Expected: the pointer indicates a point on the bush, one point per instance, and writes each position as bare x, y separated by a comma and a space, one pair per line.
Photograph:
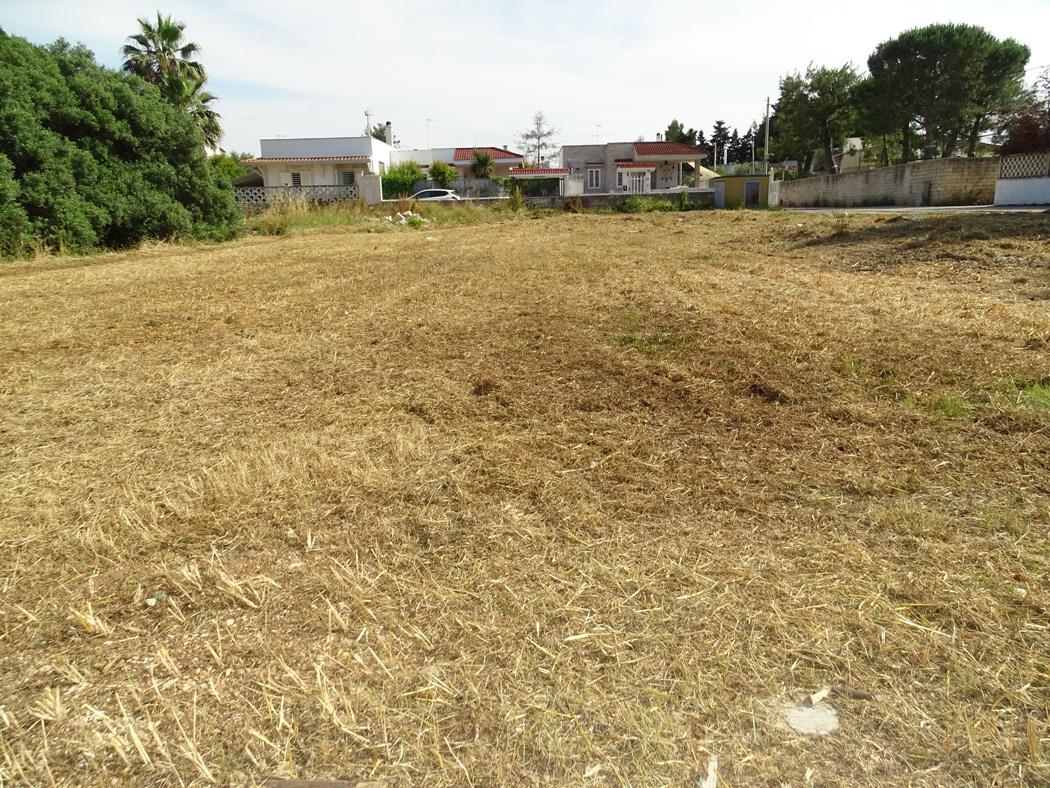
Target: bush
92, 158
515, 201
645, 205
400, 178
572, 205
442, 174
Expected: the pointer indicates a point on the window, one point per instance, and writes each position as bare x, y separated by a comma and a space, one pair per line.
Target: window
297, 179
594, 179
348, 178
619, 179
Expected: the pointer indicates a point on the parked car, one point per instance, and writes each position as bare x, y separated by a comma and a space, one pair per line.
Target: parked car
435, 194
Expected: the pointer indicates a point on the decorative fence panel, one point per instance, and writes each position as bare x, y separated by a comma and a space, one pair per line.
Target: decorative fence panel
261, 196
1025, 165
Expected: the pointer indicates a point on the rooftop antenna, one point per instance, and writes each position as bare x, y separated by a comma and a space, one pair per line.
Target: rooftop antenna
368, 122
597, 132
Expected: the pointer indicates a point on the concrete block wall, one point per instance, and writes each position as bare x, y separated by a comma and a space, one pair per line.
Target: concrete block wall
956, 181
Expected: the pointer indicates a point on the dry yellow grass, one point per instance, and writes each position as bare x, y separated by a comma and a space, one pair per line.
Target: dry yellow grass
559, 502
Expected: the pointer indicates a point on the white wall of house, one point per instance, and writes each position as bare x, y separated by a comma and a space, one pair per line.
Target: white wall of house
378, 153
310, 173
318, 146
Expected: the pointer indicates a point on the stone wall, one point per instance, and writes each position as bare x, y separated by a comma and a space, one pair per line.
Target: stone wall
958, 181
701, 198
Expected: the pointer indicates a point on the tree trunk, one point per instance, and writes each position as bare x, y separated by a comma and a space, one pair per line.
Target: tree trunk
829, 157
928, 146
975, 134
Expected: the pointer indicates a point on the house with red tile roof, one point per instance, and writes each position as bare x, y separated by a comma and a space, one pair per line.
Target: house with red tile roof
631, 167
337, 168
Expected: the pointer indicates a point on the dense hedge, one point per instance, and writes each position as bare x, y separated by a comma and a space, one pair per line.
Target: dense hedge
92, 158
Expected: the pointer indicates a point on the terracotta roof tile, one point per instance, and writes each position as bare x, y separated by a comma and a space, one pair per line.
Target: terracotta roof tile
305, 158
540, 171
635, 165
467, 154
665, 149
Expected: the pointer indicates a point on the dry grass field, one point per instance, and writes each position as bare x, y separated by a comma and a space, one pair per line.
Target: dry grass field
569, 501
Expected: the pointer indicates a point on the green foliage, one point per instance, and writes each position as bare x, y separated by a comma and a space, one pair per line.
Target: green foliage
400, 178
676, 132
14, 224
158, 54
815, 112
229, 163
94, 158
483, 165
951, 408
645, 205
378, 132
515, 201
950, 79
442, 174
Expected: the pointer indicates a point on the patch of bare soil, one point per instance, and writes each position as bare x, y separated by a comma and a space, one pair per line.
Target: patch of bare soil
583, 500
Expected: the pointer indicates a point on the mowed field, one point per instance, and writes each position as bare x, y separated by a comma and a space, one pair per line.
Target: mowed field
568, 501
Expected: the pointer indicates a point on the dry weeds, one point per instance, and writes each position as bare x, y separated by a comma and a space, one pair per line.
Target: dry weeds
562, 502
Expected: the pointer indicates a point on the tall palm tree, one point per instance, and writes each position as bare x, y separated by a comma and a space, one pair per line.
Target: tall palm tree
158, 52
191, 97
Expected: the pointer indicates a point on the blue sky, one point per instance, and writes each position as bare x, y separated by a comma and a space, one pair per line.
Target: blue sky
599, 69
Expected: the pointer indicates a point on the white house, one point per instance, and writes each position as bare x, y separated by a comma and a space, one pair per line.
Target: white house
341, 168
630, 167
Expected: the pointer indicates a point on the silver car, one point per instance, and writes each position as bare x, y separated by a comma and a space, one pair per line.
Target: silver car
435, 194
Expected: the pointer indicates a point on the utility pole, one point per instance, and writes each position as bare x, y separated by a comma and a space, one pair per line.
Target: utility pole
765, 151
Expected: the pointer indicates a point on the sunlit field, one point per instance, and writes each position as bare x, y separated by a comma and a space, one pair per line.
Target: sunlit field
560, 501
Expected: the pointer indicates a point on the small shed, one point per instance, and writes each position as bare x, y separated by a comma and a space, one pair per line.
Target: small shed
747, 191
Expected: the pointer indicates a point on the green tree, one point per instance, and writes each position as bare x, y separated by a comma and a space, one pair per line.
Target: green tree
950, 79
159, 55
538, 141
676, 132
816, 111
442, 174
379, 132
229, 163
190, 97
888, 129
719, 140
99, 158
483, 165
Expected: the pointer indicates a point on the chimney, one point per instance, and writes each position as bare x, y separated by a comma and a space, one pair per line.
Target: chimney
389, 134
659, 136
505, 147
